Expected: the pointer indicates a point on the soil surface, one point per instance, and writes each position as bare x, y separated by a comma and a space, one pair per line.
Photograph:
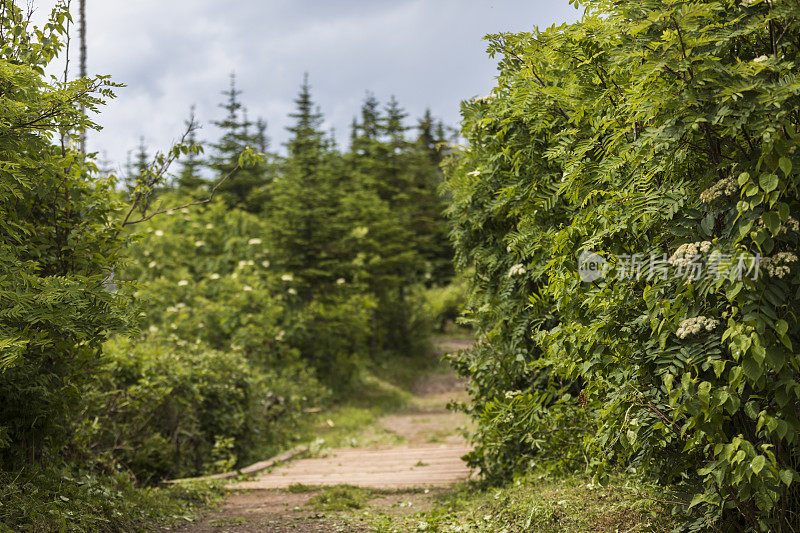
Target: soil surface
407, 477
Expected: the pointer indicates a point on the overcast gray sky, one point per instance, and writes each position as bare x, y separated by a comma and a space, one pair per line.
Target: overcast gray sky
173, 53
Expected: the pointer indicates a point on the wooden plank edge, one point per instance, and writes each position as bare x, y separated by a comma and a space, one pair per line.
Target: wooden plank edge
252, 469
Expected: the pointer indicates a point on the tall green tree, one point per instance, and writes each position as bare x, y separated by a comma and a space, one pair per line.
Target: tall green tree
190, 177
58, 243
306, 216
248, 189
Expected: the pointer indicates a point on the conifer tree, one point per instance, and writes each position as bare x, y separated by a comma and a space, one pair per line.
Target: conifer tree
306, 215
189, 178
247, 188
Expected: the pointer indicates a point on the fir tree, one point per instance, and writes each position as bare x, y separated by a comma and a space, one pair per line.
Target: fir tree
190, 178
247, 188
306, 215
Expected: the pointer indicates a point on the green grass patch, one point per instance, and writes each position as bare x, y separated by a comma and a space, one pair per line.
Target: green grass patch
543, 503
37, 500
339, 498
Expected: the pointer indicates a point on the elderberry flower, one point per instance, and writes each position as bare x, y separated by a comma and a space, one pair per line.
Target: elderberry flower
693, 326
777, 265
516, 270
685, 252
724, 187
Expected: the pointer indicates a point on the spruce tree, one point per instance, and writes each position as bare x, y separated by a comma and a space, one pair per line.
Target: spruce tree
306, 215
247, 188
189, 178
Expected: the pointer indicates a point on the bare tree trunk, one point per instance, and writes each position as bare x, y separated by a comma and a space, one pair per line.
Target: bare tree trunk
82, 16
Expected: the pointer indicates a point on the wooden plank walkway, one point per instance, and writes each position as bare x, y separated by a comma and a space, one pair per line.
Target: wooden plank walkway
419, 465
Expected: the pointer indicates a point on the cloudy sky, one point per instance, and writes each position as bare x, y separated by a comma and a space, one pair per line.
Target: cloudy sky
173, 53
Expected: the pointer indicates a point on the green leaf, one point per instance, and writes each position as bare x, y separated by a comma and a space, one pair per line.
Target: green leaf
772, 221
743, 178
781, 327
786, 165
707, 224
768, 182
757, 465
751, 369
787, 476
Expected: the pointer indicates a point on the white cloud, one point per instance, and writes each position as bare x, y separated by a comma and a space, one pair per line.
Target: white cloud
171, 54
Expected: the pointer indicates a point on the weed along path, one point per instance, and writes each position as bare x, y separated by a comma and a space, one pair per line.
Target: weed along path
392, 467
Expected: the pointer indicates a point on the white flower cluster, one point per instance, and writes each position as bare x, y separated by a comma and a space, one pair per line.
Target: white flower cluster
777, 265
512, 393
253, 242
516, 270
791, 224
287, 277
488, 99
724, 187
340, 281
243, 264
693, 326
685, 252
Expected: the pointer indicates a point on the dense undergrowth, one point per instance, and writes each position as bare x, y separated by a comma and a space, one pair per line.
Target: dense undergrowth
655, 141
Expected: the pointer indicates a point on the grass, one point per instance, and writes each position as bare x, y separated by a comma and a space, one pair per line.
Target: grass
537, 502
541, 503
339, 498
384, 388
82, 501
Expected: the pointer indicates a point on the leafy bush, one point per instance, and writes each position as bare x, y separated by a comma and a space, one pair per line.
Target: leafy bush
57, 246
83, 501
163, 409
445, 304
646, 128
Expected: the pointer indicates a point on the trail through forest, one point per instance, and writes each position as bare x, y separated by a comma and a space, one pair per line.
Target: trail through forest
394, 481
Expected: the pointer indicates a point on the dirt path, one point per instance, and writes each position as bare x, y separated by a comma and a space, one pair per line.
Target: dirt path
394, 479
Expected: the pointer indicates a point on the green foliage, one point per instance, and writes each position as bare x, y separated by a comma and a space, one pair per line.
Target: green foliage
643, 127
339, 498
444, 305
58, 244
69, 499
249, 190
167, 412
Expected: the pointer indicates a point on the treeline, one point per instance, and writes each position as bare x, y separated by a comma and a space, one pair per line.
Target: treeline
660, 136
140, 340
306, 266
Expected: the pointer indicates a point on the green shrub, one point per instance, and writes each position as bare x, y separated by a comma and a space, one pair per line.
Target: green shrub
445, 304
83, 501
166, 409
58, 243
649, 127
